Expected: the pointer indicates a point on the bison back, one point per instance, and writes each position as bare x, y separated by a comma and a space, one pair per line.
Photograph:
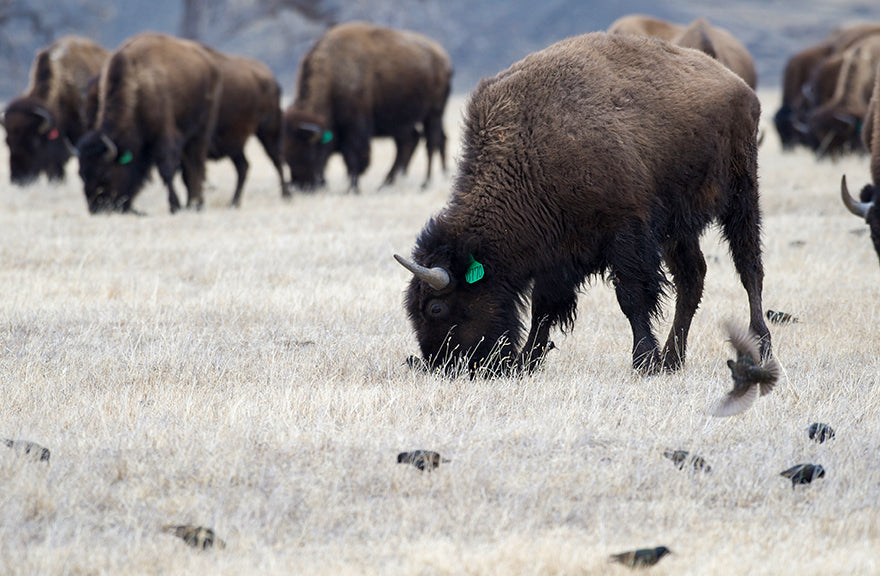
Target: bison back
603, 124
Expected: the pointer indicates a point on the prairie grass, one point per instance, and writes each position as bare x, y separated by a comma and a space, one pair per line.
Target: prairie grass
244, 370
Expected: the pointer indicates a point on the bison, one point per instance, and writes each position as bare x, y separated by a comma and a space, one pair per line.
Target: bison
699, 35
360, 81
869, 197
250, 105
158, 100
836, 125
601, 154
44, 123
805, 81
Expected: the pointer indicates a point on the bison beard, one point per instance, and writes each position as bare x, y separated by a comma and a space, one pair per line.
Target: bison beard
601, 155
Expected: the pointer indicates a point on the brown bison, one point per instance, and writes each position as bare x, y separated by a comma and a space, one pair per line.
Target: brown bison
867, 207
250, 105
721, 45
360, 81
642, 25
158, 100
602, 154
836, 125
806, 81
699, 35
44, 123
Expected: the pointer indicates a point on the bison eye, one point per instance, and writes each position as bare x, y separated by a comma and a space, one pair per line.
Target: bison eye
437, 309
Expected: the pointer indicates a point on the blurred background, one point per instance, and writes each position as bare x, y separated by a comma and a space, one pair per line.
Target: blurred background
482, 36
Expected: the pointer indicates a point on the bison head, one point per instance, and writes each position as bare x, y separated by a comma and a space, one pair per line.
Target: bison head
35, 144
866, 208
464, 314
110, 172
307, 144
834, 131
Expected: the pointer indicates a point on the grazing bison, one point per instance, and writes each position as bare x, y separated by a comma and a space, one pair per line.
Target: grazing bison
721, 45
806, 80
602, 154
360, 81
641, 25
158, 99
836, 125
869, 205
250, 105
699, 35
44, 123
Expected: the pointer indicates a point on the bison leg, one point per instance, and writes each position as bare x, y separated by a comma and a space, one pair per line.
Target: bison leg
193, 167
405, 142
688, 267
634, 260
741, 224
270, 137
241, 169
167, 168
355, 148
435, 141
554, 300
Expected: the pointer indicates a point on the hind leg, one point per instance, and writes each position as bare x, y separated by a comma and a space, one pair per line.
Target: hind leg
688, 267
741, 224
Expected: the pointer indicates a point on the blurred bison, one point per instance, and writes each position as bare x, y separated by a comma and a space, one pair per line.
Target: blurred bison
158, 99
836, 125
360, 81
602, 154
250, 105
869, 205
699, 35
808, 81
44, 123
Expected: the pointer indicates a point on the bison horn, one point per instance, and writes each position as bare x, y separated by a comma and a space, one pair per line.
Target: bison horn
437, 278
857, 208
112, 152
46, 124
314, 129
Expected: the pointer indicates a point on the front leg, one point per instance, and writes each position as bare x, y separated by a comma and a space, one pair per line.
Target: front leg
554, 301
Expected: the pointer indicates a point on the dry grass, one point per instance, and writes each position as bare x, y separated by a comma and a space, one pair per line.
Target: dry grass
243, 370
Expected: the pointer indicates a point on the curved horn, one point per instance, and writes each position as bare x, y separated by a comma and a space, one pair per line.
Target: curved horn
112, 152
46, 125
437, 278
857, 208
313, 128
847, 118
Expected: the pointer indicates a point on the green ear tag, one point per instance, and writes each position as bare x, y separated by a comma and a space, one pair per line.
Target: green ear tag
126, 157
474, 272
326, 137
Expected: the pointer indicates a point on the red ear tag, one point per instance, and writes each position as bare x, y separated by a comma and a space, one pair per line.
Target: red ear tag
53, 134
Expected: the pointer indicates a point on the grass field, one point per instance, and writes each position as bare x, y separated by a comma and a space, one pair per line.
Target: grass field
244, 370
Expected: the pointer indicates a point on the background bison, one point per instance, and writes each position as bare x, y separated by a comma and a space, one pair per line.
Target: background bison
360, 81
158, 99
250, 105
602, 154
44, 123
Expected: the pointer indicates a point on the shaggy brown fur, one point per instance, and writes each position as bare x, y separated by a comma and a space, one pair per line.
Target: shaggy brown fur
805, 82
602, 154
158, 99
42, 124
360, 81
250, 105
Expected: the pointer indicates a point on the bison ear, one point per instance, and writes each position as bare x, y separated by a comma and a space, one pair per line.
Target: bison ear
326, 137
475, 270
126, 157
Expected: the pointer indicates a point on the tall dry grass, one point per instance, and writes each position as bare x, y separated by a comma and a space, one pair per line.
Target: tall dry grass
244, 370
